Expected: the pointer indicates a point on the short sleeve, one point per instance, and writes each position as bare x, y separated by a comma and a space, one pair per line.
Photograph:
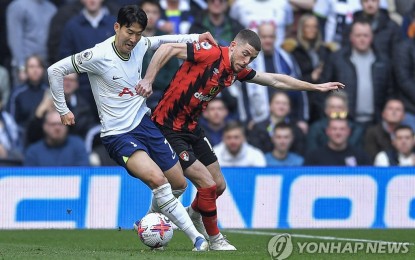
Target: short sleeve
202, 52
246, 74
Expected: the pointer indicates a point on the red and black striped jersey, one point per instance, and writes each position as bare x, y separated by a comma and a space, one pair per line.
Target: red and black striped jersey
201, 77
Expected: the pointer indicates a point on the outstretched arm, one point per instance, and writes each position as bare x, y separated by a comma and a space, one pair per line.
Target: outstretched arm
156, 41
160, 58
286, 82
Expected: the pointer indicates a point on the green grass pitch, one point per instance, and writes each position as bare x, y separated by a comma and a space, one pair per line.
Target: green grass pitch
125, 244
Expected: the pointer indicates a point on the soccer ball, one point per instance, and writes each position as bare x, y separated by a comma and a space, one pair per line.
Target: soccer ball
155, 230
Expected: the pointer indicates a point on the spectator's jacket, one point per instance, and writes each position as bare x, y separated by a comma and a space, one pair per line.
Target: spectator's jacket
404, 67
386, 33
340, 68
377, 140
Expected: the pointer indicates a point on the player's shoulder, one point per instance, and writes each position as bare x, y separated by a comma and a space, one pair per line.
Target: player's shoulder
207, 47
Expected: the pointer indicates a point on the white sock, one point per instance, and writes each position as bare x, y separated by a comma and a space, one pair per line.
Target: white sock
175, 211
155, 208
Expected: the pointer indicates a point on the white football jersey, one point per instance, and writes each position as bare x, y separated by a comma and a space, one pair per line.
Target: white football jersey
113, 79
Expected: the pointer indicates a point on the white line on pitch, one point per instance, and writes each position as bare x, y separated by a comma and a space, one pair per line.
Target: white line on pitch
262, 233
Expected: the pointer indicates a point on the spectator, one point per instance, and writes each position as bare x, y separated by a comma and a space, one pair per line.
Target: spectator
402, 153
176, 17
234, 151
404, 67
335, 106
281, 156
5, 57
259, 135
153, 10
386, 33
334, 15
273, 60
337, 151
252, 13
365, 72
92, 25
25, 99
4, 85
10, 140
62, 16
213, 121
216, 21
300, 7
311, 54
379, 137
27, 32
57, 148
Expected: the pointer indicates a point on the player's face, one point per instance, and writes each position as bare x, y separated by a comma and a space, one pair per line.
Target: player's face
394, 112
282, 139
241, 55
404, 141
233, 140
127, 37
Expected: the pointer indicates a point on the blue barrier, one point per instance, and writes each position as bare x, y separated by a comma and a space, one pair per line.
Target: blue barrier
303, 197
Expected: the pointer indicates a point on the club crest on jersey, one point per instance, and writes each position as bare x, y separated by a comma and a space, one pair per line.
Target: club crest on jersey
214, 90
206, 45
185, 156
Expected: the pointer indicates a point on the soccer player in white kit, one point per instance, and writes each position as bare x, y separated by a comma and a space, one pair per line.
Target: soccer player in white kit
130, 137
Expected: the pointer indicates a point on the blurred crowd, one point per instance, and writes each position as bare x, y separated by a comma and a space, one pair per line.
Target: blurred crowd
369, 45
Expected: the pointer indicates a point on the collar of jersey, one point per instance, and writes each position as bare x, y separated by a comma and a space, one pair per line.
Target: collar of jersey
119, 54
226, 59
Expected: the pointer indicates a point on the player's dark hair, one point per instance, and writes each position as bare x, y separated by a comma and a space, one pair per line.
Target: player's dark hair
403, 127
250, 37
151, 2
130, 14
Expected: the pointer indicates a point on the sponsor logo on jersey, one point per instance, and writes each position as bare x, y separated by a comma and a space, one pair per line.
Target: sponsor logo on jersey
216, 71
214, 90
185, 156
197, 45
202, 97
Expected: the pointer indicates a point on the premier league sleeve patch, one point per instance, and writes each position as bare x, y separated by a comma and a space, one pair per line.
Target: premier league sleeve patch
86, 55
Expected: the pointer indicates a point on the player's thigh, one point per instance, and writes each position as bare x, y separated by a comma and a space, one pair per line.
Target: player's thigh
141, 166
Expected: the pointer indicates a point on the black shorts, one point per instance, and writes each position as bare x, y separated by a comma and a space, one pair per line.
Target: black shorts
190, 146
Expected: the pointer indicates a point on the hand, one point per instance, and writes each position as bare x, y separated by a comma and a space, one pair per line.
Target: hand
68, 119
329, 86
144, 88
207, 37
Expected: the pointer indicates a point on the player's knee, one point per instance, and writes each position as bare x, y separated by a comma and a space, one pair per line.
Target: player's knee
157, 180
220, 188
